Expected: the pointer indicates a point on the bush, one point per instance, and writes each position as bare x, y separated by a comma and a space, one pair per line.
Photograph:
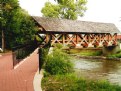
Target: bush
58, 63
117, 55
58, 46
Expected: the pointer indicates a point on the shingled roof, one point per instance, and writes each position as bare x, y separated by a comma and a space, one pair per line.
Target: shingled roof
64, 25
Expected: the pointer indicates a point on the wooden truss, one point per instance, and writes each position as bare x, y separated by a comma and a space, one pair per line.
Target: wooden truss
81, 40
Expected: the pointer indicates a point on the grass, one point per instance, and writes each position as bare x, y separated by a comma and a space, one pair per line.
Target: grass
70, 82
117, 55
86, 52
59, 77
91, 53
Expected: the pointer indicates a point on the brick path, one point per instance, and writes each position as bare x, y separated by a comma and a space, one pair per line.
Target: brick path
21, 78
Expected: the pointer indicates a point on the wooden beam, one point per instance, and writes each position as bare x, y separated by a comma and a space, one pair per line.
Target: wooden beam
76, 39
47, 38
82, 39
70, 39
55, 38
63, 38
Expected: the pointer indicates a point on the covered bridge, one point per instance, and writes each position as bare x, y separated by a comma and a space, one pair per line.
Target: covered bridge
76, 33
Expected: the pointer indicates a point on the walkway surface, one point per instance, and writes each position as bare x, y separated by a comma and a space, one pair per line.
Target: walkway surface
21, 78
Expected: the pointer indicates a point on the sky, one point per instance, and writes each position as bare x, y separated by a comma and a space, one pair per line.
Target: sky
107, 11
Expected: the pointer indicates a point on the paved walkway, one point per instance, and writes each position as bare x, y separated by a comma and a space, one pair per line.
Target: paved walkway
21, 78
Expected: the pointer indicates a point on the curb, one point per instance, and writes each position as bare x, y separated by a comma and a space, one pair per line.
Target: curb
37, 80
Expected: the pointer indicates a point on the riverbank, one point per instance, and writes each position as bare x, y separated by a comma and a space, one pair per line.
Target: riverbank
70, 82
95, 57
54, 80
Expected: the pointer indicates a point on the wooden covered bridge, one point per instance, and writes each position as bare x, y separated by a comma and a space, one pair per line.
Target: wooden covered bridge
76, 33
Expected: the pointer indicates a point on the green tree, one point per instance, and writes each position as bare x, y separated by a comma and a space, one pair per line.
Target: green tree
16, 25
51, 10
65, 9
21, 30
7, 8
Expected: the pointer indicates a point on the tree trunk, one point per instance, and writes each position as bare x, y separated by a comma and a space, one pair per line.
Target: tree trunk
3, 41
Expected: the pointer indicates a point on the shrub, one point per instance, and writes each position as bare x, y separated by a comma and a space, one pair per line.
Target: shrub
118, 55
58, 63
58, 46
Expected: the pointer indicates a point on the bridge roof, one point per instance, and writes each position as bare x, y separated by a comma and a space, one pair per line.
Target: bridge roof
64, 25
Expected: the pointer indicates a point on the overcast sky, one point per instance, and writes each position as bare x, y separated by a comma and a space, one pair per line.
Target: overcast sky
97, 10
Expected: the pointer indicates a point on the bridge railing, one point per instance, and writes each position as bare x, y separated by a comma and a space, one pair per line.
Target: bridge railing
22, 51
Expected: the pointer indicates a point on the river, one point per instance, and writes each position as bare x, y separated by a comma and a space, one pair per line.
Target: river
99, 69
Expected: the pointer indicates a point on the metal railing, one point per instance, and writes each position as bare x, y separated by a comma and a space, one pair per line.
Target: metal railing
22, 51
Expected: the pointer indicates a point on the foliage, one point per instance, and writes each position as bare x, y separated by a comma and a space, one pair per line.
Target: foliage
117, 55
85, 52
58, 46
7, 9
91, 53
51, 10
56, 79
16, 23
58, 63
70, 82
23, 32
65, 9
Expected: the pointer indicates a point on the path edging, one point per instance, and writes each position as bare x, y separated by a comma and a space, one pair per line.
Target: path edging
37, 80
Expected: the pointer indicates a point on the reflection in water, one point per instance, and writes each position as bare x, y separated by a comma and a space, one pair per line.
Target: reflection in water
99, 69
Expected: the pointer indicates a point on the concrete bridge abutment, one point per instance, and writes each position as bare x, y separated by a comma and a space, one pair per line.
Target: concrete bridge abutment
109, 50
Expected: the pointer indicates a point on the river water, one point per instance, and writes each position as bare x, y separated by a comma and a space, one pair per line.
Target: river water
99, 69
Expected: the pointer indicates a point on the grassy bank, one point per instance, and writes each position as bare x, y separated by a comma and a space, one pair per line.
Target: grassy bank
70, 82
91, 53
59, 76
117, 55
86, 52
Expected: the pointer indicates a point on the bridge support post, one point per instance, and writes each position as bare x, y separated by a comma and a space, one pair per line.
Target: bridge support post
108, 50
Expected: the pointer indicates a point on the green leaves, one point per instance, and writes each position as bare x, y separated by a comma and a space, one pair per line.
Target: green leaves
57, 63
7, 8
65, 9
51, 10
16, 23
